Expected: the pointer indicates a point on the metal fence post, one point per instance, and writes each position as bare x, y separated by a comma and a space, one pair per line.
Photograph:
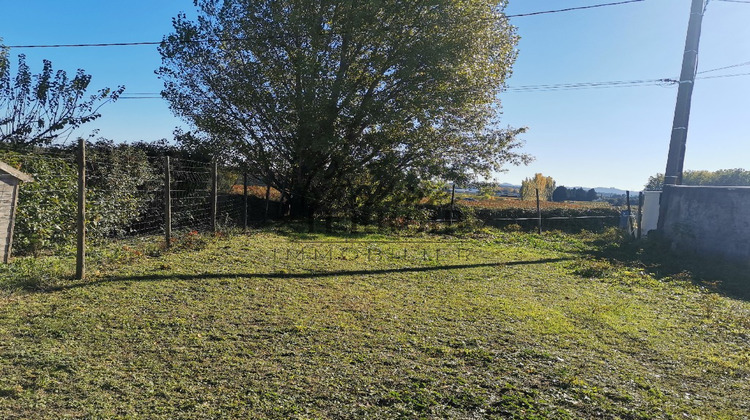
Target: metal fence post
167, 203
453, 196
244, 204
631, 231
81, 217
214, 194
538, 213
640, 214
268, 200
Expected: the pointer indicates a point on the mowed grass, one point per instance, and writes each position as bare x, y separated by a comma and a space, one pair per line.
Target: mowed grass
269, 325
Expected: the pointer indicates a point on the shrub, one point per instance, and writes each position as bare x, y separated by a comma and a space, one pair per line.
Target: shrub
120, 183
45, 217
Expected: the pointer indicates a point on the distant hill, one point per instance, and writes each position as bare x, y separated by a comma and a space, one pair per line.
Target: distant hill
605, 191
507, 185
609, 191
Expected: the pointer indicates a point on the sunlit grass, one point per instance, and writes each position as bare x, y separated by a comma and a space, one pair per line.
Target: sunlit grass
315, 326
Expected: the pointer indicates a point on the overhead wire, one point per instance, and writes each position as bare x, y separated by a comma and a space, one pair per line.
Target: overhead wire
554, 86
145, 43
664, 82
569, 9
526, 88
746, 63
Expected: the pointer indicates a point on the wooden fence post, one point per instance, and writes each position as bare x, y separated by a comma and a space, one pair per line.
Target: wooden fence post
244, 204
214, 194
167, 203
81, 217
538, 213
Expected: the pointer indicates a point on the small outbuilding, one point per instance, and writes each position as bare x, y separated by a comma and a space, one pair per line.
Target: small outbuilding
10, 177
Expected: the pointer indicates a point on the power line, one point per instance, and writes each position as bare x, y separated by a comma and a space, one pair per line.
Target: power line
144, 43
575, 8
746, 63
664, 82
592, 85
109, 44
522, 88
550, 87
721, 76
541, 88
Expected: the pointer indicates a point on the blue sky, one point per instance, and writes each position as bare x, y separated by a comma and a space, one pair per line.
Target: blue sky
592, 137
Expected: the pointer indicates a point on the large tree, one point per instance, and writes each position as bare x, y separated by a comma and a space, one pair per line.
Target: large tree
544, 184
339, 103
560, 194
36, 109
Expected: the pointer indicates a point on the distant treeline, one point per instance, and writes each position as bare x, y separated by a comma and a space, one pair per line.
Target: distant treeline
561, 194
722, 177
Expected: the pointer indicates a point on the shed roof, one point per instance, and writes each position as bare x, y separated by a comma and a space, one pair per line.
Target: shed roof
4, 167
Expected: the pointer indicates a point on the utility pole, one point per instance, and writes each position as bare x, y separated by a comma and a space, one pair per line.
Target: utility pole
676, 157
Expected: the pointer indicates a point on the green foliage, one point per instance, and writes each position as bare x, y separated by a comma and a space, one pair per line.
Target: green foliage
591, 195
3, 57
345, 106
33, 273
117, 179
722, 177
45, 217
574, 194
487, 190
35, 109
560, 194
117, 176
617, 200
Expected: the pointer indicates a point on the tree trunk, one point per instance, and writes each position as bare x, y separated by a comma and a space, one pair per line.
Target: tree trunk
311, 223
329, 224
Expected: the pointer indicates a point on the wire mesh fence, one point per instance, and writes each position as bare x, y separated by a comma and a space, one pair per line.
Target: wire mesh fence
123, 190
190, 194
127, 194
130, 193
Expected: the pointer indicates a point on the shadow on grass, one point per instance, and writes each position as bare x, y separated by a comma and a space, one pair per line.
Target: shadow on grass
729, 278
312, 274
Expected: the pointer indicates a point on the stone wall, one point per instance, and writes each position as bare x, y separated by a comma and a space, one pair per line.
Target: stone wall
712, 221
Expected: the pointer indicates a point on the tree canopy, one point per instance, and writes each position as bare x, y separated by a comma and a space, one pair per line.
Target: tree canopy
545, 185
562, 193
342, 104
36, 109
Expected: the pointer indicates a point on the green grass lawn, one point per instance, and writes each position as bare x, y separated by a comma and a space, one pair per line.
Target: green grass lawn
274, 325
